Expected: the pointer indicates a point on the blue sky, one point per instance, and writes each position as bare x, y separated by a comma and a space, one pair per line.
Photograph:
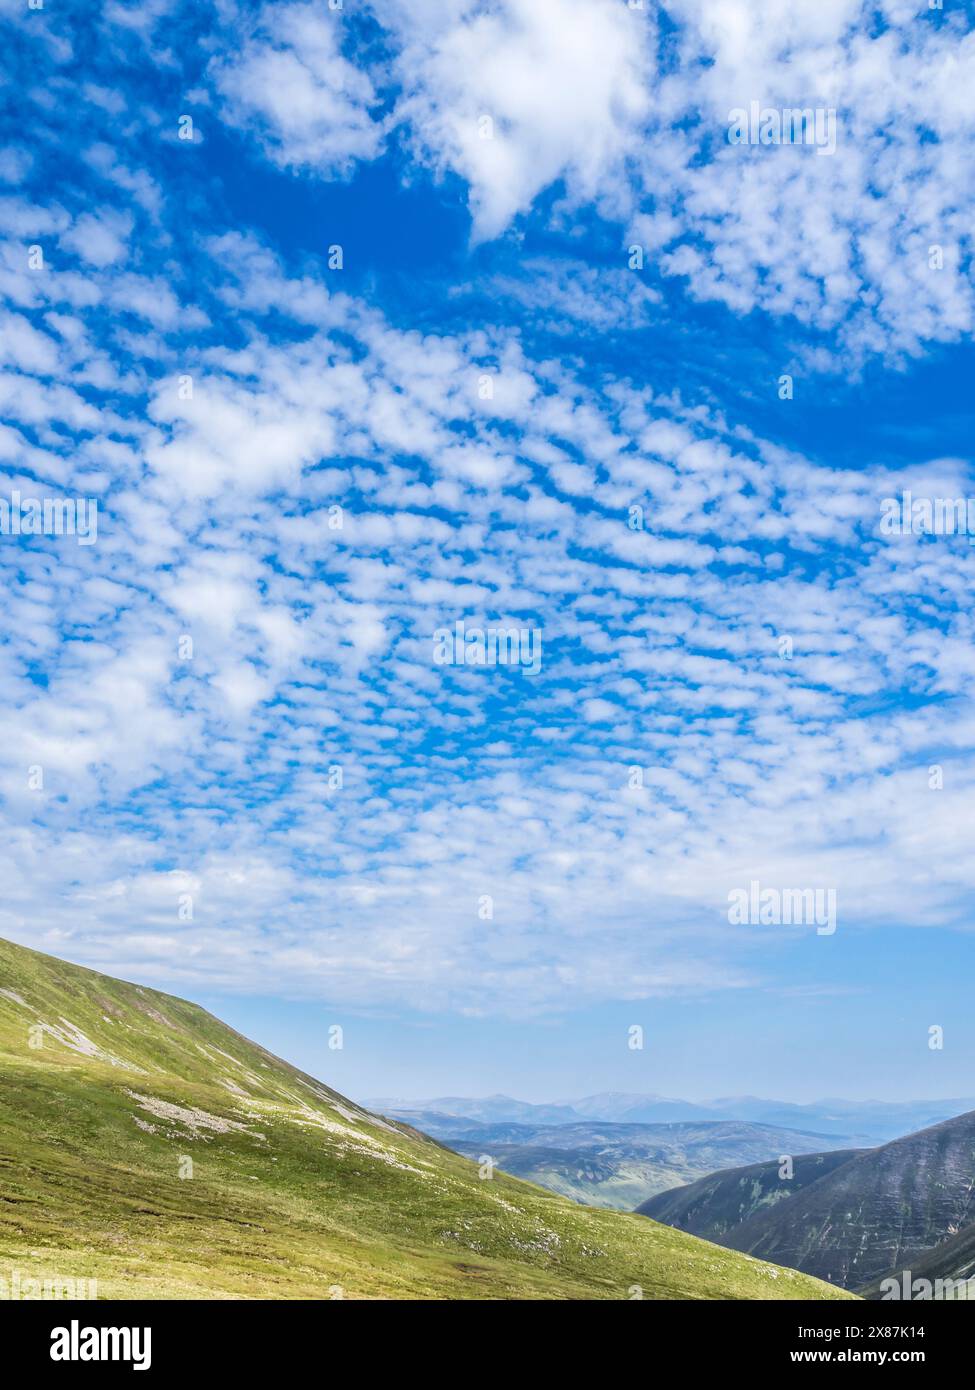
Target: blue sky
296, 816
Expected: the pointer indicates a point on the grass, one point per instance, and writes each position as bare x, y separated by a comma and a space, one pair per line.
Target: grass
295, 1192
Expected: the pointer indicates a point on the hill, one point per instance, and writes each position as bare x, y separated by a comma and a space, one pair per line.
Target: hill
145, 1144
716, 1204
881, 1210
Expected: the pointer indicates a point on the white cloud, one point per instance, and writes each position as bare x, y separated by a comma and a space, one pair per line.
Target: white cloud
310, 105
583, 94
842, 243
98, 239
312, 643
586, 97
312, 650
518, 96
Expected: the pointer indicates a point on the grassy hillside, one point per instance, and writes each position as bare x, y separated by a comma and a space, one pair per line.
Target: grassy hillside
108, 1091
716, 1204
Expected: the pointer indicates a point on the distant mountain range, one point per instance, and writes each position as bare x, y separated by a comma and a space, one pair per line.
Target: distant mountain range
851, 1123
604, 1163
490, 1110
612, 1165
853, 1219
618, 1149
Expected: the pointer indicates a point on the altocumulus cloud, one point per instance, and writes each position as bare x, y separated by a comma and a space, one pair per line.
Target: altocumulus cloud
624, 106
253, 774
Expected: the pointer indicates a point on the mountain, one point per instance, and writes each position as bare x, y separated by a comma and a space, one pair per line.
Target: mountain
145, 1144
863, 1122
627, 1108
850, 1123
609, 1107
609, 1165
880, 1211
716, 1204
489, 1110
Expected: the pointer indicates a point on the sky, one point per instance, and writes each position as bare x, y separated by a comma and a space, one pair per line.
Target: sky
353, 323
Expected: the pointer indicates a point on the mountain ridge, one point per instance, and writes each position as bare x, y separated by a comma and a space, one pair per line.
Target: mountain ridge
883, 1209
854, 1123
716, 1204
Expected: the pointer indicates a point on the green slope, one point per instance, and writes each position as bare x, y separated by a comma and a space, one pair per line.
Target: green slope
295, 1192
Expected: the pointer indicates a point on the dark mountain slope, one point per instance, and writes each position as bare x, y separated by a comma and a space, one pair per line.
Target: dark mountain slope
949, 1269
714, 1205
875, 1213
